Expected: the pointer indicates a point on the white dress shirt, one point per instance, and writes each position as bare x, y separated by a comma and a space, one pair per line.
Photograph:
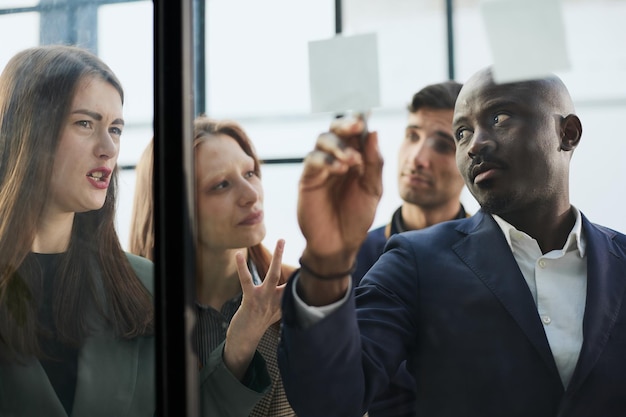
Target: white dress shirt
558, 283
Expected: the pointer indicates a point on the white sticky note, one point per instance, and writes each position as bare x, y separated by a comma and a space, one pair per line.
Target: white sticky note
526, 38
343, 73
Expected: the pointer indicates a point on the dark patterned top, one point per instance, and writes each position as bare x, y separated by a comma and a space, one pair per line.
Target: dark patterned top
211, 332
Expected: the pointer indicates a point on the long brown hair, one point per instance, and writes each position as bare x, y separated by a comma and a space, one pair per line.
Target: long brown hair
37, 87
204, 129
141, 240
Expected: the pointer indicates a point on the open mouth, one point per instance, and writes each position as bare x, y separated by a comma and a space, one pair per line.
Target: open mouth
98, 175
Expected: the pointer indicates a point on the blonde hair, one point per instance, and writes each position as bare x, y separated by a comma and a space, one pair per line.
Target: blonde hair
142, 221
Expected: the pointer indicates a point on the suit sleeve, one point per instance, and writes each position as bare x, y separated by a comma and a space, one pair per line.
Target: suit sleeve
336, 366
222, 394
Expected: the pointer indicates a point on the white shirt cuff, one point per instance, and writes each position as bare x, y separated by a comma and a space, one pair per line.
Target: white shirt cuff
309, 315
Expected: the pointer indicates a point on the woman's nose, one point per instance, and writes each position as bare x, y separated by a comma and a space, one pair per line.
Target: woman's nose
107, 146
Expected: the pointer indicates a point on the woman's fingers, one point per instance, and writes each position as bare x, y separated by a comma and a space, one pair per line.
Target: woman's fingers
245, 278
273, 273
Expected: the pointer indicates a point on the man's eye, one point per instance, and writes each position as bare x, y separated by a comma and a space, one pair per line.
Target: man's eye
412, 136
116, 131
500, 117
250, 174
84, 123
460, 134
444, 146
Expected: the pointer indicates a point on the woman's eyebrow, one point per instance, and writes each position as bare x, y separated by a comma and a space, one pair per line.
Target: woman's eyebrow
97, 116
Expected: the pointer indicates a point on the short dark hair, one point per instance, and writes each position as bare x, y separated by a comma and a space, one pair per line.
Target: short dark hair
436, 96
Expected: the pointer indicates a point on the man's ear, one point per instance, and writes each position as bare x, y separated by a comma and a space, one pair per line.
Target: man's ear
571, 131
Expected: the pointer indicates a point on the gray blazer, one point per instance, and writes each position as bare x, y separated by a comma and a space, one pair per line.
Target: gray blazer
116, 377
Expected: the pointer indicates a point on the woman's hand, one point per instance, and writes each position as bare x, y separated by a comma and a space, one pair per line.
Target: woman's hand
259, 309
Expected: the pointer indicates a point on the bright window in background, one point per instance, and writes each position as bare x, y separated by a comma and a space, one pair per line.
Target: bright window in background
595, 35
257, 74
125, 43
26, 24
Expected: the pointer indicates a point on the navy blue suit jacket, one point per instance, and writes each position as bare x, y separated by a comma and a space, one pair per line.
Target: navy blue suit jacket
452, 301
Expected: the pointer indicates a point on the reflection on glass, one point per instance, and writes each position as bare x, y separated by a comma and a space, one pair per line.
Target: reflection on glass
76, 312
238, 284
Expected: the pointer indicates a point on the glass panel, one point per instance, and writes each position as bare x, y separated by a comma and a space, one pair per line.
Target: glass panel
257, 74
411, 43
596, 82
259, 66
66, 270
8, 4
125, 43
26, 24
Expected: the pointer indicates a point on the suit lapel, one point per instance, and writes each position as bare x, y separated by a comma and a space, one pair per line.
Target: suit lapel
107, 368
486, 252
106, 382
107, 372
606, 285
25, 391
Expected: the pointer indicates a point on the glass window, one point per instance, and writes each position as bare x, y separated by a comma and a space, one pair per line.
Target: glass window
26, 24
90, 367
257, 74
125, 43
595, 80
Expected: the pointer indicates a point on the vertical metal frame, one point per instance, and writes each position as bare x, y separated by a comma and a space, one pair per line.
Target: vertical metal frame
450, 38
338, 17
176, 360
199, 41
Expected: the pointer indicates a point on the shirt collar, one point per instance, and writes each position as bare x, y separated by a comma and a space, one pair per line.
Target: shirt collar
397, 221
575, 239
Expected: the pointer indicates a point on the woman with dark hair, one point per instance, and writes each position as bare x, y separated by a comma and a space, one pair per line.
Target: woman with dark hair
238, 311
76, 312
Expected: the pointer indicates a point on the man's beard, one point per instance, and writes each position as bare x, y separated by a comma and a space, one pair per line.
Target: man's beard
496, 204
